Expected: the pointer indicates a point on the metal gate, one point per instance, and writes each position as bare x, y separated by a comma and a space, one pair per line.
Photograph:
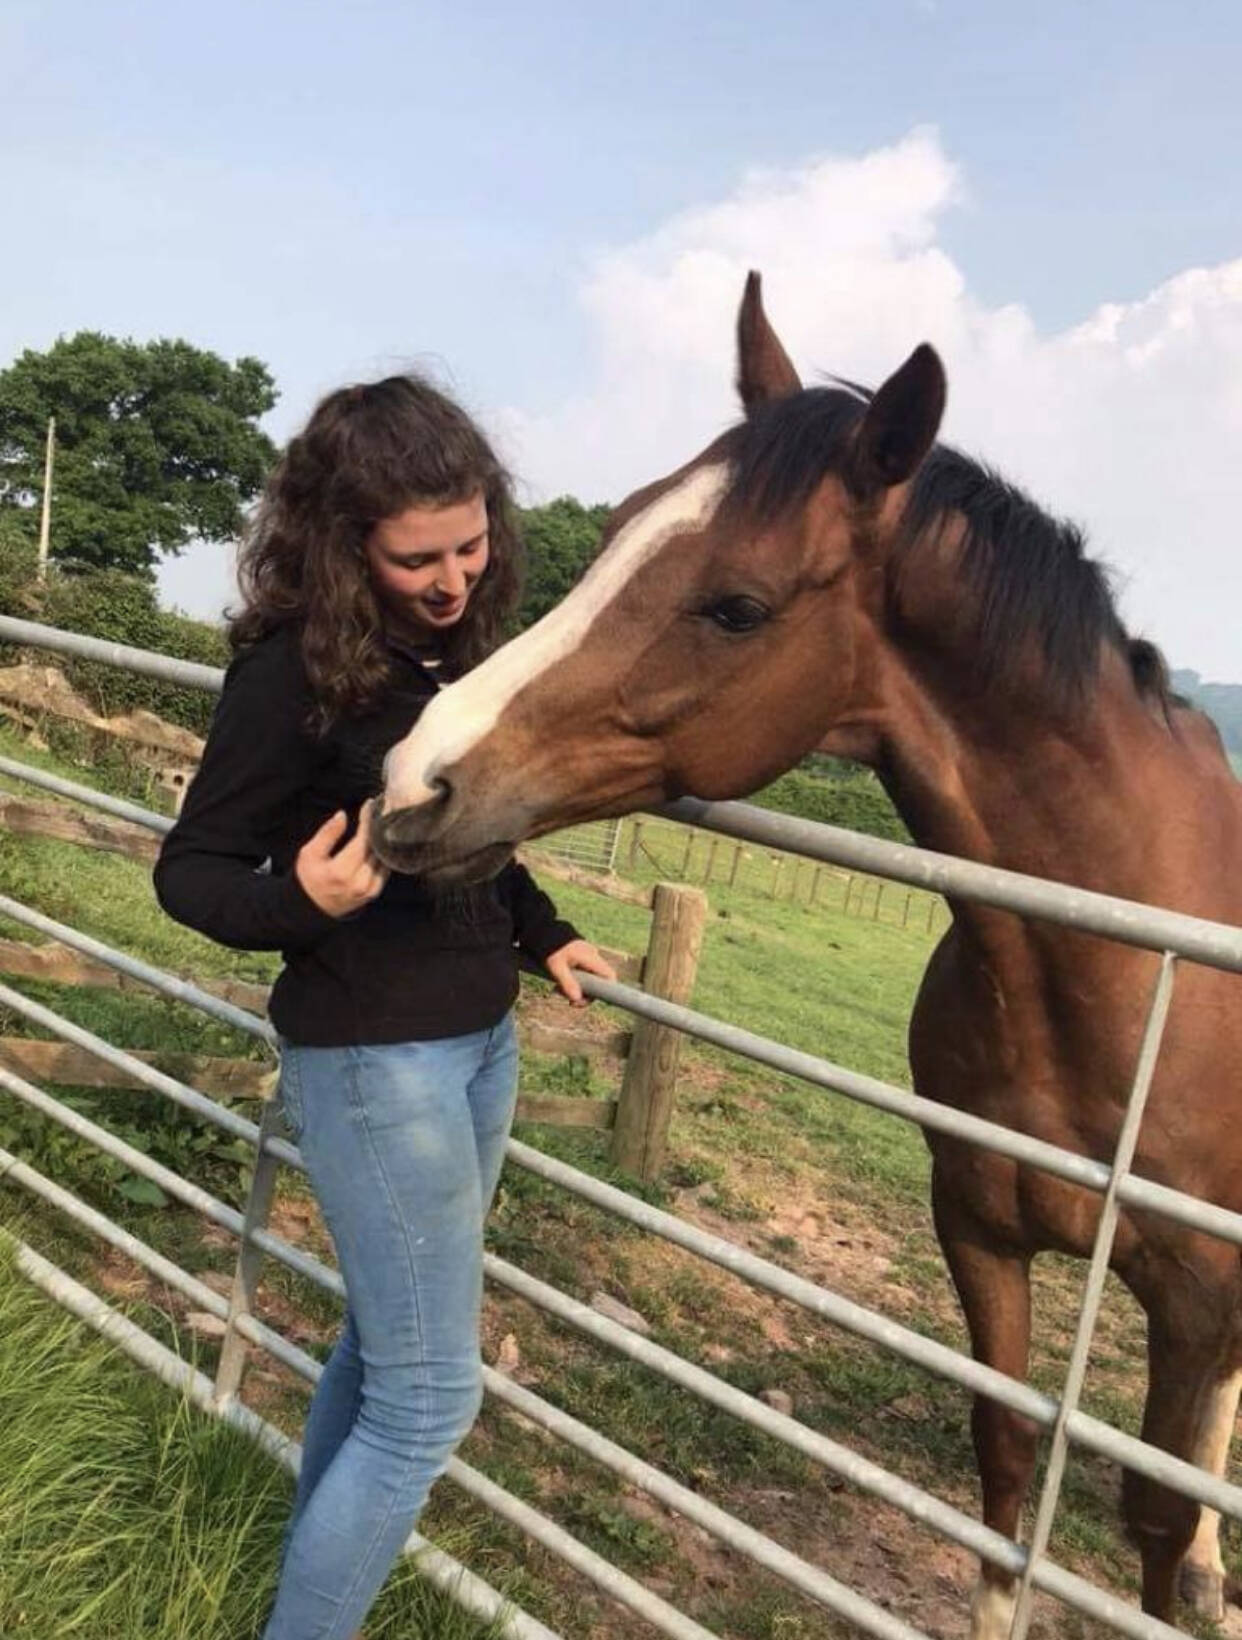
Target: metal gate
1171, 934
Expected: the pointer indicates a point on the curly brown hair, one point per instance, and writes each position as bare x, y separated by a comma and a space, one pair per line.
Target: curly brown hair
367, 453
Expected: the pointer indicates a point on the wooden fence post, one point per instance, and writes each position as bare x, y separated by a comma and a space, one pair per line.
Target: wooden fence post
648, 1088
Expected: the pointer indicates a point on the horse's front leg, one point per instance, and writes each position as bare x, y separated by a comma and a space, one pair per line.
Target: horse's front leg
1202, 1579
994, 1285
1191, 1401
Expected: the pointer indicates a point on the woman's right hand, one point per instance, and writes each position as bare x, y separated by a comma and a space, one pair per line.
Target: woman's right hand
340, 880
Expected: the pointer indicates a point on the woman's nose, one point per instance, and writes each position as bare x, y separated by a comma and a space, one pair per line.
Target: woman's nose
453, 578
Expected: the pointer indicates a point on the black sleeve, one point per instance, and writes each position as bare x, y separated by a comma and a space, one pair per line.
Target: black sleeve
538, 929
257, 762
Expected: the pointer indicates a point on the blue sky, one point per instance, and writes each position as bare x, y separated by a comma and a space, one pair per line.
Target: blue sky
343, 189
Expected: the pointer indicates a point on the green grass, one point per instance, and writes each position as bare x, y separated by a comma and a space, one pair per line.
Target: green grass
817, 979
127, 1515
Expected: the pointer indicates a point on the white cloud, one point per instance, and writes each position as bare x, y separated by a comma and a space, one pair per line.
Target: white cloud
1131, 422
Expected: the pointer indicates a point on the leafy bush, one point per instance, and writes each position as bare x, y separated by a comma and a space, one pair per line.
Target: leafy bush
122, 608
147, 1122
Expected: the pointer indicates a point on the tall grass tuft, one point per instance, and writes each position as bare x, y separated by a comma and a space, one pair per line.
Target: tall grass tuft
126, 1514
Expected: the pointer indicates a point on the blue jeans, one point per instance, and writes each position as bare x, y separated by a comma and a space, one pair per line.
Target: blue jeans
404, 1145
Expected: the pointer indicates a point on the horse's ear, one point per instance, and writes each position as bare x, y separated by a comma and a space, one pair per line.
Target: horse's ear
901, 422
763, 368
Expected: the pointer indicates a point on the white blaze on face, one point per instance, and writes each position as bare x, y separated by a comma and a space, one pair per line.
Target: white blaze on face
465, 712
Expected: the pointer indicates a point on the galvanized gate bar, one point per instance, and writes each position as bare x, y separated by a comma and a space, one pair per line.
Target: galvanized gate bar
879, 1329
440, 1569
182, 1190
626, 1590
798, 1573
920, 1506
863, 1089
911, 1500
792, 1569
94, 799
1065, 1164
180, 990
163, 1269
1128, 922
1021, 1397
148, 662
1136, 1192
246, 1271
1093, 1287
158, 1081
136, 1160
1218, 945
1207, 1489
1076, 1169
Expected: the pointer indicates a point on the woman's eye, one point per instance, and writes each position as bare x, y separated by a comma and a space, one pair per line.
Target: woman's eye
737, 614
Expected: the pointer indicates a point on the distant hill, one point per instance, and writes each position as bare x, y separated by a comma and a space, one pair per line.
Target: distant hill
1221, 701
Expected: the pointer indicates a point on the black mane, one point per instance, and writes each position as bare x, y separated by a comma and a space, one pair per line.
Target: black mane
1029, 573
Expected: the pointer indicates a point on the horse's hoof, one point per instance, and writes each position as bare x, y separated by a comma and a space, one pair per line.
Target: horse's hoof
1203, 1590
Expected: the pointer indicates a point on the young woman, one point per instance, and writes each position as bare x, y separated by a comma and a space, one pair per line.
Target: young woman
383, 557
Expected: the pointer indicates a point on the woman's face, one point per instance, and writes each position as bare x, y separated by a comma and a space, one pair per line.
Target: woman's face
426, 561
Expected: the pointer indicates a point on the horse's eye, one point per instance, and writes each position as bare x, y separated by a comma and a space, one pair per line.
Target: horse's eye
737, 614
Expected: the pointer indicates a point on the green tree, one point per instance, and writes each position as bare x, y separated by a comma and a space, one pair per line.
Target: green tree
156, 443
561, 540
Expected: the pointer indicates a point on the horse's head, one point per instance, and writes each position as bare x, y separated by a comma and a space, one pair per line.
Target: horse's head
716, 638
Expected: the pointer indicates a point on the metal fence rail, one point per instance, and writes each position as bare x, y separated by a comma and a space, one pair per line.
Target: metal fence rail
810, 1580
1170, 935
447, 1574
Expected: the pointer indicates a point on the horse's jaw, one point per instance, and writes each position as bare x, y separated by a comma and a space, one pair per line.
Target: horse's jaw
400, 841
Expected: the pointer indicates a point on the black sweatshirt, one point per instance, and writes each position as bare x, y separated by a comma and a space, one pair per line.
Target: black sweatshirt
409, 966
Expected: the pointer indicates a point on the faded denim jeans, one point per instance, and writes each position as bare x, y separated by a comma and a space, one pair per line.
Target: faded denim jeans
404, 1144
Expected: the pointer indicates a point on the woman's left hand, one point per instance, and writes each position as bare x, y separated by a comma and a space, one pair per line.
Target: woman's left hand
577, 954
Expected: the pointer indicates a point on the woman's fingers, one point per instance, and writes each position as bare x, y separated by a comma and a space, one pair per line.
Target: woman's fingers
342, 879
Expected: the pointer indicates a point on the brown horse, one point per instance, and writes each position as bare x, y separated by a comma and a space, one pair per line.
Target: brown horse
826, 574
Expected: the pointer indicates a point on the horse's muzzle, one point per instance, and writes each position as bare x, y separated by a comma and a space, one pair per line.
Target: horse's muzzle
416, 841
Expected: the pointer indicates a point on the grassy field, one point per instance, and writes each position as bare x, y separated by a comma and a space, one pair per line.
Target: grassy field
125, 1514
827, 1188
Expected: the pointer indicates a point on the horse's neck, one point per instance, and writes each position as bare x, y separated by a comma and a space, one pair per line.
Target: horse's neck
1096, 798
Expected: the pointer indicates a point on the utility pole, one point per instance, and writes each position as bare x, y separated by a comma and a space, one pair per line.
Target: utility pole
45, 522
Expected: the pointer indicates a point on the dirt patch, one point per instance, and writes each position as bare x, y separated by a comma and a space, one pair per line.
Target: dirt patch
835, 1245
